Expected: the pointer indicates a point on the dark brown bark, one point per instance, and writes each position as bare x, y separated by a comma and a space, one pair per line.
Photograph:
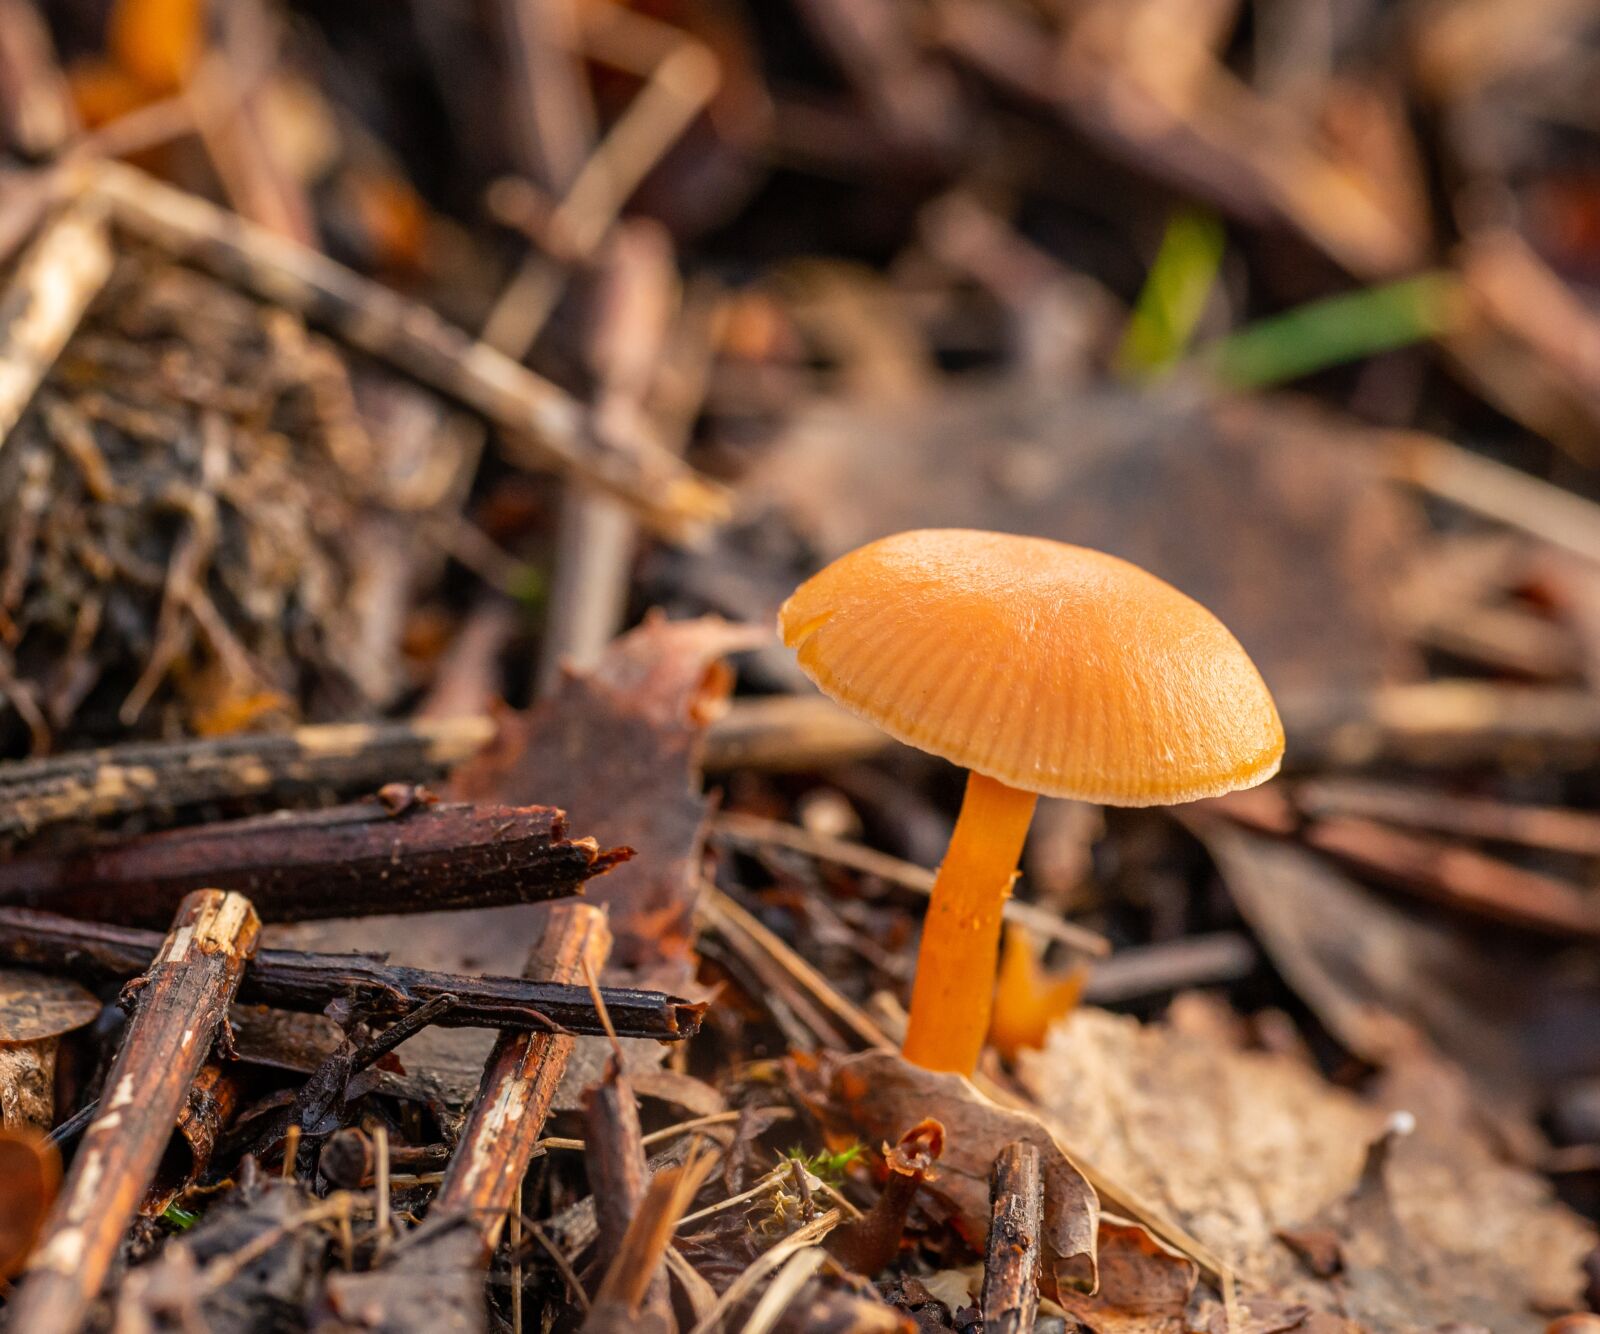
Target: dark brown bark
431, 1279
340, 757
180, 1003
391, 854
519, 1082
618, 1174
294, 980
1011, 1258
614, 1153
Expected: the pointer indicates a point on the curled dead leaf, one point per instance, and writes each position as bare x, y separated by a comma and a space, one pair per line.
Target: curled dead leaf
876, 1094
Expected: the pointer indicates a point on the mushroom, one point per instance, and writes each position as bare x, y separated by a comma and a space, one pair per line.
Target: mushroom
36, 1012
1040, 668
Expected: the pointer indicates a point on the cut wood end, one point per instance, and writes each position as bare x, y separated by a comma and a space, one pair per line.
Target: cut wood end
219, 922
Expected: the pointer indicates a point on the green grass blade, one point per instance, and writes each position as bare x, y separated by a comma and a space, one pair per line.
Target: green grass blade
1335, 331
1174, 295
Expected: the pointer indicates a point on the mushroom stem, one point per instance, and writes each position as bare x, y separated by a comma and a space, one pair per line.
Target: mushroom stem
954, 989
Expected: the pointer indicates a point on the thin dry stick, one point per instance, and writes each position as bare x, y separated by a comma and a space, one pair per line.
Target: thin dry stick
729, 916
1011, 1258
414, 339
181, 1001
598, 536
85, 785
784, 733
1507, 495
53, 285
644, 1246
795, 1274
754, 830
380, 1187
746, 1283
519, 1083
309, 983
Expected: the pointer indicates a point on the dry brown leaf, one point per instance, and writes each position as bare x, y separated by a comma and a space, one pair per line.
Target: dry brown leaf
1145, 1286
1240, 1146
1397, 976
876, 1095
619, 748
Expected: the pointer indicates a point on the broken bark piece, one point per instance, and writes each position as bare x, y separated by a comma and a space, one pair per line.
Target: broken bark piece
1011, 1257
293, 980
179, 1004
618, 1173
87, 785
35, 1014
431, 1281
614, 1155
519, 1082
415, 340
52, 287
207, 1112
620, 1304
351, 861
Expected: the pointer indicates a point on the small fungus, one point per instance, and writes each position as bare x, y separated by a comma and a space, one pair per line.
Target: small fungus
1040, 668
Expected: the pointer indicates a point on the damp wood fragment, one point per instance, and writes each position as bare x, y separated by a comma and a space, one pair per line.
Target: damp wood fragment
96, 953
57, 278
1011, 1257
480, 1187
176, 775
397, 853
178, 1006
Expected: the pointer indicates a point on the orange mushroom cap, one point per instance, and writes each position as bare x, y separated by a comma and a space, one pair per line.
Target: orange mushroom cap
1049, 667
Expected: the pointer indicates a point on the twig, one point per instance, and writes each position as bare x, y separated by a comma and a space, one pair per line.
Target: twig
742, 928
1459, 877
1444, 722
638, 1260
414, 339
46, 297
1553, 828
380, 1187
34, 101
618, 1174
1171, 965
746, 1283
1507, 495
390, 855
597, 536
86, 785
519, 1082
1011, 1258
789, 732
181, 1002
754, 830
797, 1271
310, 983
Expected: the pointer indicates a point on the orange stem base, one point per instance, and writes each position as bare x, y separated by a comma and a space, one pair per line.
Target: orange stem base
954, 989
